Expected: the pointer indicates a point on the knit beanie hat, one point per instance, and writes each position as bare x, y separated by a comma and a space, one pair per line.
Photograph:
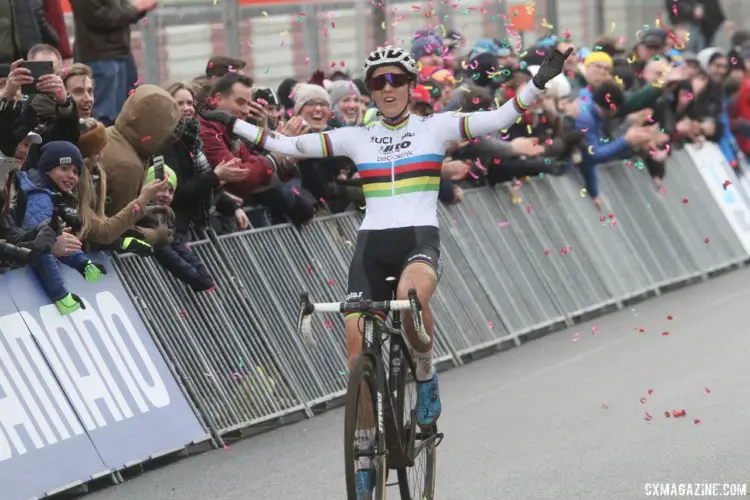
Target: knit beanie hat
56, 153
340, 89
93, 142
306, 92
599, 57
483, 70
707, 56
168, 173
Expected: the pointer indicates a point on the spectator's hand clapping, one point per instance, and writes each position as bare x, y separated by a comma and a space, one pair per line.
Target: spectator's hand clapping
16, 79
526, 146
229, 171
53, 85
294, 127
708, 127
638, 136
65, 244
455, 170
259, 114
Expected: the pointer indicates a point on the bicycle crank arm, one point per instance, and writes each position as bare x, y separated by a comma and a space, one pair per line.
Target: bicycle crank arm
434, 438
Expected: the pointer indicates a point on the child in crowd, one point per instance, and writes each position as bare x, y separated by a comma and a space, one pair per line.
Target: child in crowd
43, 194
176, 257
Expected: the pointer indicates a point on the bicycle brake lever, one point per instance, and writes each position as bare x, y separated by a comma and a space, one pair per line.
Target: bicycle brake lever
304, 323
416, 313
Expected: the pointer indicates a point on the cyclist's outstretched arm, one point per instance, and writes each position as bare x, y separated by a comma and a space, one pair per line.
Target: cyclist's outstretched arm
462, 126
321, 145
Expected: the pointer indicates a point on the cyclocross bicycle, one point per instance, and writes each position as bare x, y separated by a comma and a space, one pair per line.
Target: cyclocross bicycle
390, 389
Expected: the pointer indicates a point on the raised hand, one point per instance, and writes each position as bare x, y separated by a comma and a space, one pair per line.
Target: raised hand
550, 68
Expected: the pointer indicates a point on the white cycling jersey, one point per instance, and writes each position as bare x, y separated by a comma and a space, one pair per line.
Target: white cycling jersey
399, 163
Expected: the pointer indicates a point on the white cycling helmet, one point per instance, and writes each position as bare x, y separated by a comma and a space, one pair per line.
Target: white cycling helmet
390, 55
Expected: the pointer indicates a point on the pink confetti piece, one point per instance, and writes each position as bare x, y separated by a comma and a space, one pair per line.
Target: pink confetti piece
502, 224
331, 282
227, 447
604, 407
708, 391
546, 251
670, 317
647, 416
576, 337
146, 139
490, 324
697, 421
665, 334
594, 329
650, 392
706, 240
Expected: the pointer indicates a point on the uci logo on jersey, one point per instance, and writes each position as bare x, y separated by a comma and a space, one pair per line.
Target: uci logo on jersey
381, 140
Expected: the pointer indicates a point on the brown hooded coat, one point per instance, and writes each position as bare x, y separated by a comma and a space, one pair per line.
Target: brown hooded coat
146, 121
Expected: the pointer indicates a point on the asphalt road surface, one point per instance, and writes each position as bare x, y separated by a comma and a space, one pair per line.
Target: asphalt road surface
558, 418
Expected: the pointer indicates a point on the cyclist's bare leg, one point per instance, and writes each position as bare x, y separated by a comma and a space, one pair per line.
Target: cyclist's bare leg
366, 419
423, 278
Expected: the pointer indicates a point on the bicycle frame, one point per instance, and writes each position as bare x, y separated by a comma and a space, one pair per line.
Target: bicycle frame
375, 332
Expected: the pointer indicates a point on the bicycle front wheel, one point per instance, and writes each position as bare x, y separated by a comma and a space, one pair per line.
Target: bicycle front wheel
360, 419
416, 482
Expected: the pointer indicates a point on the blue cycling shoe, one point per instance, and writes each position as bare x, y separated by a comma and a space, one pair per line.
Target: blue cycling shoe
428, 402
365, 484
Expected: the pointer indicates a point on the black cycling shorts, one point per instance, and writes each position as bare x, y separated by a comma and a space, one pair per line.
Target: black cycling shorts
384, 253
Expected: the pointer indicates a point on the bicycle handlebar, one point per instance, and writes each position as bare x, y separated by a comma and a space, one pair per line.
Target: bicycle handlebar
307, 308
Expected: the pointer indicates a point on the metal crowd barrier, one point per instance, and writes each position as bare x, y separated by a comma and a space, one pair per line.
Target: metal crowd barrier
511, 268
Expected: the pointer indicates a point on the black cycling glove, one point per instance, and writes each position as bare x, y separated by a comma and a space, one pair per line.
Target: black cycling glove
550, 68
216, 115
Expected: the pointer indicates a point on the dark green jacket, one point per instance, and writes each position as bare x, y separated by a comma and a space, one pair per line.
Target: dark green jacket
23, 25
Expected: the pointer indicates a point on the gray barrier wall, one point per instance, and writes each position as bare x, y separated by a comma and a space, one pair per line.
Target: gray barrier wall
510, 269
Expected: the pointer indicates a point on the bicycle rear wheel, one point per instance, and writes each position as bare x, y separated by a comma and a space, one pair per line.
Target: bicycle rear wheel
361, 414
416, 482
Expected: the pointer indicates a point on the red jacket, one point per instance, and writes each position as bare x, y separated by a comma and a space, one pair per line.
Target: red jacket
54, 14
217, 145
742, 110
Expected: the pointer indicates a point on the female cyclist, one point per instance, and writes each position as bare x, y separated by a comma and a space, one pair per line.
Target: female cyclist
398, 158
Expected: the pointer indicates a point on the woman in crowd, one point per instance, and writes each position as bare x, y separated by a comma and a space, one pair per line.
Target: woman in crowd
321, 176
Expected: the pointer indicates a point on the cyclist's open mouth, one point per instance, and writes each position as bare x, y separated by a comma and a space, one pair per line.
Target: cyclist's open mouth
390, 99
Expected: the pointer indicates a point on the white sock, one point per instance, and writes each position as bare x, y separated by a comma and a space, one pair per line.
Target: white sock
423, 363
365, 439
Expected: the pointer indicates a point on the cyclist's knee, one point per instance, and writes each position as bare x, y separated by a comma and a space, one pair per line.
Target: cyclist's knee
422, 278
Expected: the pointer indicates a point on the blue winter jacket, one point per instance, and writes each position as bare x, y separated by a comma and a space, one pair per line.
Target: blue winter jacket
37, 190
597, 146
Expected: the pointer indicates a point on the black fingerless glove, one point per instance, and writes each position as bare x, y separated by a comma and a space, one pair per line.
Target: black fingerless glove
550, 68
216, 115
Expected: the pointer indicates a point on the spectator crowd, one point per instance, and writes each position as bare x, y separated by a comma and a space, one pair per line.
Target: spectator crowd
93, 161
